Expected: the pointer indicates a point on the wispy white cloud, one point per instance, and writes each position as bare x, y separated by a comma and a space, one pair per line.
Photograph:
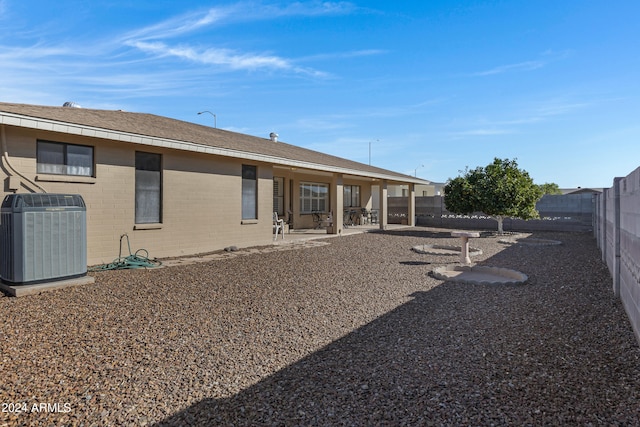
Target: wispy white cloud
558, 108
521, 66
234, 13
343, 55
141, 62
24, 53
547, 57
224, 57
535, 114
320, 122
517, 119
484, 132
213, 56
254, 11
179, 25
153, 39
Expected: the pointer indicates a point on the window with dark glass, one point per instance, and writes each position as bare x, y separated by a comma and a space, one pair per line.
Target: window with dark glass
148, 188
249, 192
58, 158
351, 196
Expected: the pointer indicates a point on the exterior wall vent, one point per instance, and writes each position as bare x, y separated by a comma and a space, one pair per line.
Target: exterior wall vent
43, 237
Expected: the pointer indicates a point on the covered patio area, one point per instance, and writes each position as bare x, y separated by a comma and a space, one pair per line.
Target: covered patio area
314, 202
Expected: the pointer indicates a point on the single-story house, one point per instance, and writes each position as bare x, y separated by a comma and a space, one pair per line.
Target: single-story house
179, 188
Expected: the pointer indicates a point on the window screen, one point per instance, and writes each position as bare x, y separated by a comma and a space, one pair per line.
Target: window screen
64, 159
249, 192
148, 188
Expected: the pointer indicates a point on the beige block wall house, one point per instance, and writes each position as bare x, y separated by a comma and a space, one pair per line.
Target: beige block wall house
177, 188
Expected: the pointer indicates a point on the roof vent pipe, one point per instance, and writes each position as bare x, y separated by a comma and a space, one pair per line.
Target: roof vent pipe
71, 104
273, 136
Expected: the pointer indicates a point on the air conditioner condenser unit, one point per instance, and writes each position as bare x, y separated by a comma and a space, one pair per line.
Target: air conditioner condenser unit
43, 237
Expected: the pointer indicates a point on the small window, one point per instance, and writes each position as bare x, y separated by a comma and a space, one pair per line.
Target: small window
314, 197
148, 188
249, 192
351, 197
278, 195
58, 158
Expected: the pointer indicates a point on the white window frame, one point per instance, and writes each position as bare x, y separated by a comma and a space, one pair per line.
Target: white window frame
314, 197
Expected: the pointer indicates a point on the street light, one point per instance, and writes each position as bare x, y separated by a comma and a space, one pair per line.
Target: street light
215, 119
415, 172
377, 140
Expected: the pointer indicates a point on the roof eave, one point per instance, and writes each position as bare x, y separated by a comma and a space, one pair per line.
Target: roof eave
18, 120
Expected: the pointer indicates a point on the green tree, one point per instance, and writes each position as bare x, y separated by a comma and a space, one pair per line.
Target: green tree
499, 189
550, 188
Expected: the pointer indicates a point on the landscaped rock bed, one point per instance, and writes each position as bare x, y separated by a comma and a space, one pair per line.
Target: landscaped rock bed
355, 332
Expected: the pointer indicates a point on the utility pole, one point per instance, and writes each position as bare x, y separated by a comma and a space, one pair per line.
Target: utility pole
377, 140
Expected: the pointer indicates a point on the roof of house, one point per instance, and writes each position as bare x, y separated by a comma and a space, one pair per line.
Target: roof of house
150, 129
580, 190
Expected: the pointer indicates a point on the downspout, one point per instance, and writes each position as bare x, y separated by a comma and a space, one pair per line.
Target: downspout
5, 156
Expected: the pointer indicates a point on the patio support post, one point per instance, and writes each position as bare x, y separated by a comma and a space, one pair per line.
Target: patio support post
286, 200
336, 194
384, 205
411, 214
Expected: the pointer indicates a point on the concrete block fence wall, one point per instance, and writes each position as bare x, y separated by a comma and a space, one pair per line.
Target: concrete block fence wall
617, 232
570, 212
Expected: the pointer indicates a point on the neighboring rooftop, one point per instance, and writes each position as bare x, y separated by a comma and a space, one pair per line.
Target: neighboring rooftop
580, 190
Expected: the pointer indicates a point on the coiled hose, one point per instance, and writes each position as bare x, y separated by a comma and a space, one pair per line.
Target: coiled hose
133, 260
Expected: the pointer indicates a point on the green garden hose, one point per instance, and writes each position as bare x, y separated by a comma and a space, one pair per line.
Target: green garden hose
135, 260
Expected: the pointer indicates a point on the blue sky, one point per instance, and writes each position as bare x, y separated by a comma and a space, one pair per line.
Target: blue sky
431, 86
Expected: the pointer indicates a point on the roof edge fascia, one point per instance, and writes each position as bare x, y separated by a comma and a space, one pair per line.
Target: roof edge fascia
18, 120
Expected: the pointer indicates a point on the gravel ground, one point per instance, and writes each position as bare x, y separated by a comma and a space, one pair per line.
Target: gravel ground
355, 332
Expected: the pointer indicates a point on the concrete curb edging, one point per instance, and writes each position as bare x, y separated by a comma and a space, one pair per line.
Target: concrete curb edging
444, 250
479, 275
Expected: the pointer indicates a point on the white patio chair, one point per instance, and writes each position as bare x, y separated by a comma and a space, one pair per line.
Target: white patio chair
278, 226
